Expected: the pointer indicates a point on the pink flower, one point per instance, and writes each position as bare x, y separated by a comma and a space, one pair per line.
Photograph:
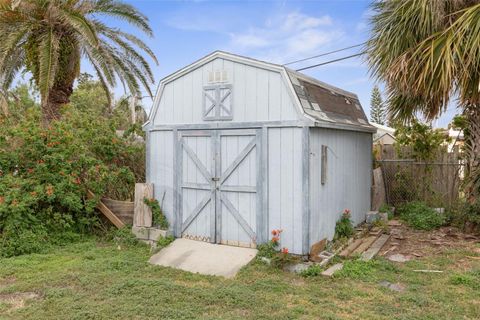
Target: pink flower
285, 250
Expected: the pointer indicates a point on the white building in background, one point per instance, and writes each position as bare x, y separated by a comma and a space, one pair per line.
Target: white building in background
385, 135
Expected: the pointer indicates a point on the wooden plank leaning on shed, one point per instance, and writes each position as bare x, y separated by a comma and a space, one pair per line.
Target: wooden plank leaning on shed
107, 212
142, 214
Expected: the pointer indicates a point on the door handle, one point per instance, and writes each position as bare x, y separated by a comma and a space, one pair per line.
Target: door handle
215, 179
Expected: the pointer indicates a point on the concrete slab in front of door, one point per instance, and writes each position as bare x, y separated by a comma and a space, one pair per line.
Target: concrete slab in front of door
204, 258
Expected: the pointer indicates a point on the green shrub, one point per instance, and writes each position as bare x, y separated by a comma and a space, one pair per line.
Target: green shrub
23, 242
419, 216
123, 237
344, 226
357, 269
387, 209
465, 215
312, 271
162, 242
270, 250
158, 218
45, 173
470, 279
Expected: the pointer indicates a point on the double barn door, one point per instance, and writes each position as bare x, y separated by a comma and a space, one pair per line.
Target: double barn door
218, 198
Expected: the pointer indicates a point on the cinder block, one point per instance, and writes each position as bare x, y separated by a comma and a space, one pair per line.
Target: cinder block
141, 233
372, 216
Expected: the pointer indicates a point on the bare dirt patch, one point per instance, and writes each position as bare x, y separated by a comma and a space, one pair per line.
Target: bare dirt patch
415, 243
17, 300
5, 282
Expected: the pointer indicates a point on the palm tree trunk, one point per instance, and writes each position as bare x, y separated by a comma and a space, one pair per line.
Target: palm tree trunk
472, 152
59, 95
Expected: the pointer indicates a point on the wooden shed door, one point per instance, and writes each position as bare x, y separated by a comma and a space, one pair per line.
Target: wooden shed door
218, 186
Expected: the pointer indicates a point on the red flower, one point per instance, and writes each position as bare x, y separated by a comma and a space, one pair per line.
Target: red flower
274, 232
30, 170
275, 239
49, 190
285, 250
2, 200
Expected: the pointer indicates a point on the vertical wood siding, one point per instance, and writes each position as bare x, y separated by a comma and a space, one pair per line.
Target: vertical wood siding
348, 181
160, 163
285, 185
258, 95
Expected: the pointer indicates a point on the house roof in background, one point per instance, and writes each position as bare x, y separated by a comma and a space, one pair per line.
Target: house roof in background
383, 128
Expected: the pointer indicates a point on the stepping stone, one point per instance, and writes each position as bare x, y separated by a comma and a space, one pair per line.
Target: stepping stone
330, 271
399, 258
298, 267
397, 287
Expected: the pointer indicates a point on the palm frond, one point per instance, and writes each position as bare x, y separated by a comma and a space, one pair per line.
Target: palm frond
81, 25
48, 61
122, 11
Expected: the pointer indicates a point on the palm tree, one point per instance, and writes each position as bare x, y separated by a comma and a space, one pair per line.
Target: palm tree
49, 39
428, 52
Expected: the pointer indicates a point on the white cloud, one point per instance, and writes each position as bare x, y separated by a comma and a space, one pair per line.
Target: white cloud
285, 37
249, 40
299, 21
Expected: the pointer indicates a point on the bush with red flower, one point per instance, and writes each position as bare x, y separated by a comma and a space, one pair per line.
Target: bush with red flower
45, 173
344, 226
271, 250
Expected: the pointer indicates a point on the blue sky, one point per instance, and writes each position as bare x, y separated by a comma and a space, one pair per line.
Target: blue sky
275, 31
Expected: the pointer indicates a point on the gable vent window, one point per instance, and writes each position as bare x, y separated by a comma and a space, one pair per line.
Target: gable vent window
218, 76
217, 102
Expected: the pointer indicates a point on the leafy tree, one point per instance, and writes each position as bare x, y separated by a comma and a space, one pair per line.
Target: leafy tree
424, 141
49, 38
377, 108
428, 52
89, 95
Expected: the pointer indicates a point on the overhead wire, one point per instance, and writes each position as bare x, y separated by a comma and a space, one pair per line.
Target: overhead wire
331, 61
324, 54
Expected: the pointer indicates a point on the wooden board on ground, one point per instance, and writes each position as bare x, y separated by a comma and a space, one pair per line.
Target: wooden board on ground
375, 248
348, 250
330, 271
107, 212
367, 242
142, 214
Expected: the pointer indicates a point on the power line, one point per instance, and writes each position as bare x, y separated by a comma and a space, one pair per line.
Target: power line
331, 61
325, 54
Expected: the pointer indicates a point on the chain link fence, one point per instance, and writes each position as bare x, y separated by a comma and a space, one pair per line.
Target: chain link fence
436, 182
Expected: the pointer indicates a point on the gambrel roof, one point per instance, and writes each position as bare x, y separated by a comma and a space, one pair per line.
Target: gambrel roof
323, 104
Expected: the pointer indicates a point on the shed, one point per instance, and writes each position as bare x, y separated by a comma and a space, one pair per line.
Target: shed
237, 147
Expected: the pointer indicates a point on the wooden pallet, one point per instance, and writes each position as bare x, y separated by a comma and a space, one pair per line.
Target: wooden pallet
375, 247
107, 212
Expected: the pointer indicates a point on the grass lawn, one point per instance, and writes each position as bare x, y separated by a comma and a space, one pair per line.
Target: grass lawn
96, 280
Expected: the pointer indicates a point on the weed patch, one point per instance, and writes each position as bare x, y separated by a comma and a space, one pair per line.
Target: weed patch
421, 217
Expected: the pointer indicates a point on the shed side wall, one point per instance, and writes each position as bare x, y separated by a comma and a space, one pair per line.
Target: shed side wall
285, 185
258, 95
348, 180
